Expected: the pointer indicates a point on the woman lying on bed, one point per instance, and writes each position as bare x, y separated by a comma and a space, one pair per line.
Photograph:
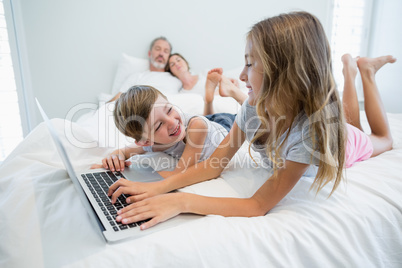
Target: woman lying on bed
291, 117
205, 86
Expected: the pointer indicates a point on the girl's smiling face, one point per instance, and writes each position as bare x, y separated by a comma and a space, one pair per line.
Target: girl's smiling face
252, 73
164, 124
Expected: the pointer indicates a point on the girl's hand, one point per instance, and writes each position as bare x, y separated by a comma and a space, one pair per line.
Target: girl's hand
137, 190
114, 162
158, 209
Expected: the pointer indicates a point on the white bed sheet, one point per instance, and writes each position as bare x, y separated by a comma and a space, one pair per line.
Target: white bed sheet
44, 224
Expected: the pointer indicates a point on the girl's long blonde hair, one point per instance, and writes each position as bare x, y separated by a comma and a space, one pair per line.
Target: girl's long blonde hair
297, 78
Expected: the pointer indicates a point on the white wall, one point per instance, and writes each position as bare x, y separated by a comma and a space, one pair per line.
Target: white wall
386, 39
73, 47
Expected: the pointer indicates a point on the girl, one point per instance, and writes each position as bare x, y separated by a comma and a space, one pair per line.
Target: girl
293, 118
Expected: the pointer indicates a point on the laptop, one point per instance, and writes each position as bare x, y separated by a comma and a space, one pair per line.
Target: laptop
92, 186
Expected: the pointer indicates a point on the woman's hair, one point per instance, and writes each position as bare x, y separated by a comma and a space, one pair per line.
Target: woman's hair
297, 78
167, 67
132, 109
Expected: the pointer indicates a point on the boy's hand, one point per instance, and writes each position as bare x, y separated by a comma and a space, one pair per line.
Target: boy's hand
137, 190
114, 162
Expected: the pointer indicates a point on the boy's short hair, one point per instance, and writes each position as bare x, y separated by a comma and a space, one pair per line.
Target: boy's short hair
132, 109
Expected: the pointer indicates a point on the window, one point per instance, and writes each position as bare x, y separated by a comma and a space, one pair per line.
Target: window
350, 34
10, 120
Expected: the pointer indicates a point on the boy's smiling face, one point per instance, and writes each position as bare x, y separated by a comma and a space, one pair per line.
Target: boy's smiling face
164, 124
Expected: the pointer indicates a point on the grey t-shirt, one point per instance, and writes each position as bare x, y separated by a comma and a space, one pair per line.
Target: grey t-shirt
215, 135
298, 147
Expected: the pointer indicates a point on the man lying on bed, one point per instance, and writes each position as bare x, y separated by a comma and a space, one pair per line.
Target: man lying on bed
156, 76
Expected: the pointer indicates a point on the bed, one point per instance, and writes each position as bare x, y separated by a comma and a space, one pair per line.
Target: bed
44, 224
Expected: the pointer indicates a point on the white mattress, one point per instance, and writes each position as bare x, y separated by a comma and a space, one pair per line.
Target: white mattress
44, 224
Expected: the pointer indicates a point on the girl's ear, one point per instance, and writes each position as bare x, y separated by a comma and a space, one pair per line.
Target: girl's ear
144, 143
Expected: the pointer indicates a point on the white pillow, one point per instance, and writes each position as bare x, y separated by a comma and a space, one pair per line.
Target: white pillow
126, 67
189, 103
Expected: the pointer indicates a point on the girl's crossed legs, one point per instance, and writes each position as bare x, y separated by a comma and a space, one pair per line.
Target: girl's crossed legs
377, 118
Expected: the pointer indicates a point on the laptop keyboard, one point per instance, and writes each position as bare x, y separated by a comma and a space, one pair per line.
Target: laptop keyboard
99, 183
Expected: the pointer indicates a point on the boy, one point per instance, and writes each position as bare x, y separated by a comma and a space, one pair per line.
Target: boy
146, 115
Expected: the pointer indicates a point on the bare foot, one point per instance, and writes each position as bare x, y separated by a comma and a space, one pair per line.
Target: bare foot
216, 70
227, 87
372, 65
213, 79
235, 82
349, 66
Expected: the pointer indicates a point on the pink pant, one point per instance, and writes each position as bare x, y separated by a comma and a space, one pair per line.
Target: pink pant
358, 147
